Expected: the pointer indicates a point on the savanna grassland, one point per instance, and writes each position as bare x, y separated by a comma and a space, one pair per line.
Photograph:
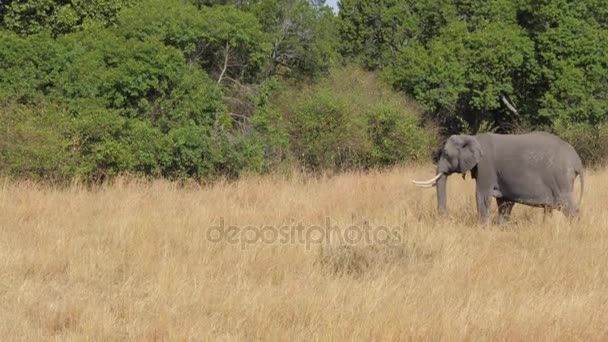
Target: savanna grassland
134, 261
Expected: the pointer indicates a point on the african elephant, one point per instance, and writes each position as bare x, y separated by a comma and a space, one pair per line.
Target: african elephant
537, 169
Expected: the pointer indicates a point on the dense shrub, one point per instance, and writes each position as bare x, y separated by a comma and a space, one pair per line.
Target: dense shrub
271, 134
33, 142
119, 105
591, 142
324, 132
395, 136
58, 16
351, 119
153, 88
205, 89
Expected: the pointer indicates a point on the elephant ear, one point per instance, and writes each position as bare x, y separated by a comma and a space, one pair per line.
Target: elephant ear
470, 153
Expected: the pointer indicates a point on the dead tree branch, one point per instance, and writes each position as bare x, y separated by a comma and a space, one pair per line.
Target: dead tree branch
226, 54
509, 105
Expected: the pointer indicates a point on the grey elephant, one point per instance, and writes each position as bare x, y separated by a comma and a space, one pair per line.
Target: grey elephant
536, 169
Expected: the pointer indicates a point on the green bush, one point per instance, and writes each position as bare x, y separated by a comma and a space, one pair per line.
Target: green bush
324, 133
149, 149
29, 66
271, 134
591, 142
200, 152
33, 142
237, 155
395, 136
351, 119
106, 144
59, 16
192, 152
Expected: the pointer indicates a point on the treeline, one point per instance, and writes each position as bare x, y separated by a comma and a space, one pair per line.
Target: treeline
204, 89
187, 89
467, 61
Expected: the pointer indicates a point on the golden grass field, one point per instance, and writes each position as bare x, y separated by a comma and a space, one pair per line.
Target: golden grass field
134, 261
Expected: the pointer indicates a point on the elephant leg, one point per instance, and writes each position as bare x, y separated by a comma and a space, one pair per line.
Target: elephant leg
569, 206
483, 205
547, 211
504, 210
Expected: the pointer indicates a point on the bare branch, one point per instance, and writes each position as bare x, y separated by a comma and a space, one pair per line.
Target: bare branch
509, 105
200, 50
235, 115
243, 123
238, 84
239, 101
219, 80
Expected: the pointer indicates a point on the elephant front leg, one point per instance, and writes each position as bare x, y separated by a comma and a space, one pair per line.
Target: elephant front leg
483, 205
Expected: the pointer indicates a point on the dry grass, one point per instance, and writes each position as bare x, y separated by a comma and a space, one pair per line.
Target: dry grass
133, 261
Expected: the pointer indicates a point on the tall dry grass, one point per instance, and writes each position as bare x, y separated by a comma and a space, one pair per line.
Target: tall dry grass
133, 261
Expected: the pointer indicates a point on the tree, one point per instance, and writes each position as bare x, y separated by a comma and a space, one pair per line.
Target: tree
303, 36
471, 62
59, 16
372, 32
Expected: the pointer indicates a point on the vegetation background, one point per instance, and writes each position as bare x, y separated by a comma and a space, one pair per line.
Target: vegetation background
220, 88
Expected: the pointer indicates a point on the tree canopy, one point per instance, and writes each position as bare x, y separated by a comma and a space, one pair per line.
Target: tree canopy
460, 58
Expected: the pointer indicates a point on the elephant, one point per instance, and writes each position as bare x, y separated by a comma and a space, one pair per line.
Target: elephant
535, 169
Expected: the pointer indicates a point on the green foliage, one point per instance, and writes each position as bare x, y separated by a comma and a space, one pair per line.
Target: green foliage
200, 152
324, 133
237, 155
573, 49
33, 142
28, 65
395, 136
218, 88
127, 104
301, 34
192, 151
117, 73
271, 128
460, 57
462, 74
105, 144
435, 74
372, 32
58, 16
303, 37
591, 142
223, 39
351, 119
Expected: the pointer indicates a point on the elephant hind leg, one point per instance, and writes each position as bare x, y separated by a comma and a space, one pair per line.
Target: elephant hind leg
568, 206
547, 211
504, 210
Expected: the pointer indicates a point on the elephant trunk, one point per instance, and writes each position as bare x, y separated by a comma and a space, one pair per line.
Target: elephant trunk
442, 195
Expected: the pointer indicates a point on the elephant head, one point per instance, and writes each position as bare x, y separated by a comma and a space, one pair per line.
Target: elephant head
459, 154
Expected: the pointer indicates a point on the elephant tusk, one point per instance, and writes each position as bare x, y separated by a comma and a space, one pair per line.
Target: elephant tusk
424, 185
429, 183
